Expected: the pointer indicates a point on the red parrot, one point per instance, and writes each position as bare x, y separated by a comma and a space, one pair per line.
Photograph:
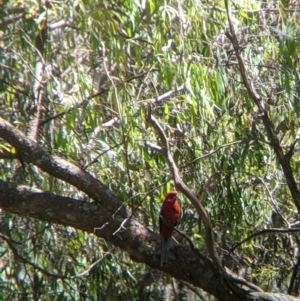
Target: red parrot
170, 210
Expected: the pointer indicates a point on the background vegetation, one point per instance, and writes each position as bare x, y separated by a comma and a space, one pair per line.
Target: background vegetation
78, 77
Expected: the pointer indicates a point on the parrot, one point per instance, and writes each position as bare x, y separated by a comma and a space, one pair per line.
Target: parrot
170, 210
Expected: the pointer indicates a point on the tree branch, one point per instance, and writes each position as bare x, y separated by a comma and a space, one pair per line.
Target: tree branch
11, 246
140, 243
294, 275
94, 264
78, 105
284, 161
238, 287
164, 96
182, 187
38, 85
213, 152
265, 231
31, 152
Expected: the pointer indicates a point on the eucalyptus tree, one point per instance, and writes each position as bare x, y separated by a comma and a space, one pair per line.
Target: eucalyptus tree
105, 107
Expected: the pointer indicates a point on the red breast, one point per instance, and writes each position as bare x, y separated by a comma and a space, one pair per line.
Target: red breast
170, 210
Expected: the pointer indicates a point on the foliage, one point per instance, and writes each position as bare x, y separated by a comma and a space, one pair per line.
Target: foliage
103, 64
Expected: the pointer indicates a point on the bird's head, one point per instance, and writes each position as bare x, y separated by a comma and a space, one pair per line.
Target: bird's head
172, 195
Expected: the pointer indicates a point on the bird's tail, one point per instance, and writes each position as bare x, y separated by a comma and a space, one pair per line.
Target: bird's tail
164, 249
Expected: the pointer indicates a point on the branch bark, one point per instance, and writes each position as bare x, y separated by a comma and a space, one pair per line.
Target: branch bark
31, 152
141, 244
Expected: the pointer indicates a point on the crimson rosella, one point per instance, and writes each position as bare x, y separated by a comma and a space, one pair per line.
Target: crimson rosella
170, 211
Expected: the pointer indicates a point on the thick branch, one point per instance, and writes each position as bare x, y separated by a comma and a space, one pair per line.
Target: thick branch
31, 152
140, 243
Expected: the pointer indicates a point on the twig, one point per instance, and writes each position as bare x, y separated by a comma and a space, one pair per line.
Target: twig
112, 217
39, 84
195, 290
101, 154
277, 209
273, 230
122, 226
290, 152
14, 88
10, 19
93, 137
61, 24
24, 260
253, 11
94, 95
154, 146
213, 152
249, 85
164, 96
94, 264
78, 105
238, 280
178, 231
137, 76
